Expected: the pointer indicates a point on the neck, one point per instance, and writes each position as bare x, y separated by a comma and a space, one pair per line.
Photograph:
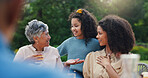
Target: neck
37, 47
80, 37
108, 51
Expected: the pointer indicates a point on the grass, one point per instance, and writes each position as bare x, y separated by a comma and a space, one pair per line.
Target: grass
144, 61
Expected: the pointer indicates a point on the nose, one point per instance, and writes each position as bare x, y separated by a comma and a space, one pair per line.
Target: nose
97, 36
49, 36
73, 28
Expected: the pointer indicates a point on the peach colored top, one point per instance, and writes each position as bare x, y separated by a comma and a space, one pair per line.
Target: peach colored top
93, 70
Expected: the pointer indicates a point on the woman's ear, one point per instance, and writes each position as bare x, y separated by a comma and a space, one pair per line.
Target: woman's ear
35, 38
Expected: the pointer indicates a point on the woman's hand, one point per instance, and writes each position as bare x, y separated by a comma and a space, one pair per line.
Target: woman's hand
104, 60
106, 63
73, 62
34, 58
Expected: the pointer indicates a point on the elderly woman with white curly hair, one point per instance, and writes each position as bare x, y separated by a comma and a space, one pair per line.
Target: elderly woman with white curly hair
39, 52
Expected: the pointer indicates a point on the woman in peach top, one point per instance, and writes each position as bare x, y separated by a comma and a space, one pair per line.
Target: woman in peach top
117, 36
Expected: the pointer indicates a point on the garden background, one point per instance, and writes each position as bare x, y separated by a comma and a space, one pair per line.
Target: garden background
55, 14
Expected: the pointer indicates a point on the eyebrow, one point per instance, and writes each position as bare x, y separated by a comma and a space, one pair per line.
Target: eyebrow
75, 24
99, 31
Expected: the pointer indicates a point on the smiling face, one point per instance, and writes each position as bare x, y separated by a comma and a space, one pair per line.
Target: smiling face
44, 39
76, 28
102, 36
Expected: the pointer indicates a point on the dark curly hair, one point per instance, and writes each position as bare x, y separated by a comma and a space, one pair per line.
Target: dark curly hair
119, 33
88, 23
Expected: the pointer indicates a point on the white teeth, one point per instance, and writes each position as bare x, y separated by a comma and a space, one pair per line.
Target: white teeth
74, 32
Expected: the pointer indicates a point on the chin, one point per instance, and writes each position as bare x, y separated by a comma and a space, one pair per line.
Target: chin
75, 35
46, 45
102, 45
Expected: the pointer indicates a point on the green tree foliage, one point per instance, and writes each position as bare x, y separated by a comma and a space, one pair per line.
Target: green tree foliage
145, 16
141, 33
142, 51
52, 12
141, 27
132, 10
55, 13
135, 11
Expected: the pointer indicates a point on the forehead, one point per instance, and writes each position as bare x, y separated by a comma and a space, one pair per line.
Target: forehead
75, 20
99, 28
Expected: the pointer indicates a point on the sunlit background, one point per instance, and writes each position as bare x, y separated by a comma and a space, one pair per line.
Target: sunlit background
55, 13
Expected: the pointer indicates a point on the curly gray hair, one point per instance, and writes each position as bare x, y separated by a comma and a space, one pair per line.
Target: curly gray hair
35, 28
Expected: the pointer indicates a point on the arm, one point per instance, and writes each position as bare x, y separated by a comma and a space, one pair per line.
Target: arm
62, 48
105, 62
19, 57
86, 66
111, 72
59, 63
73, 62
